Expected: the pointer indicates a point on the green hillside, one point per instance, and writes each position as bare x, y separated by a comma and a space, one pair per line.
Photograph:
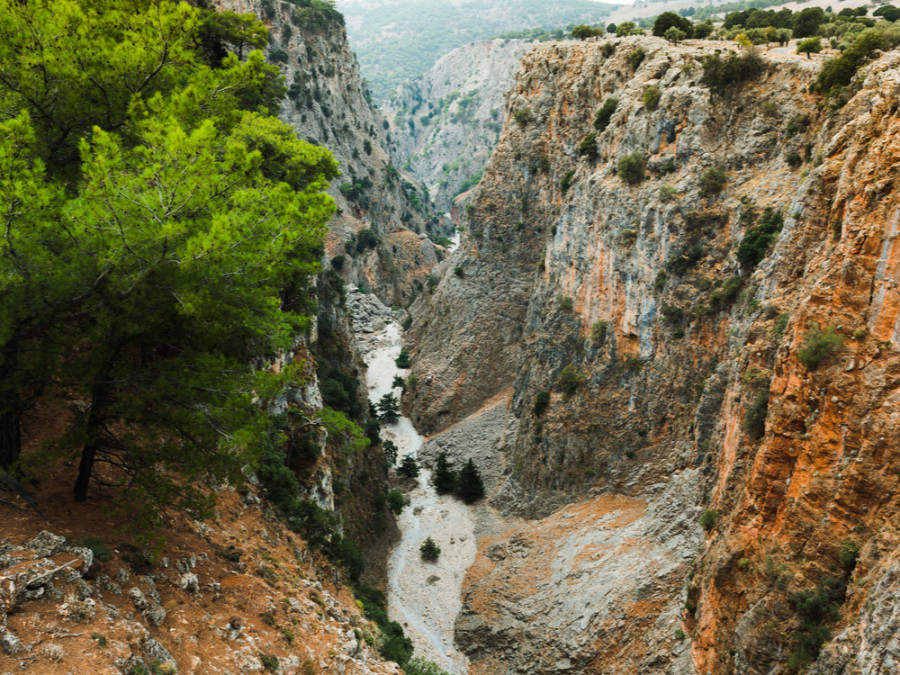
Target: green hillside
397, 40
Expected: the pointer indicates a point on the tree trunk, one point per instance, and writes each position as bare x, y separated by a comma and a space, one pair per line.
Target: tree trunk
10, 436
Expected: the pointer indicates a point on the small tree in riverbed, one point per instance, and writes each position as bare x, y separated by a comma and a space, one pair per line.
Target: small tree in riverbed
388, 409
430, 551
390, 452
409, 467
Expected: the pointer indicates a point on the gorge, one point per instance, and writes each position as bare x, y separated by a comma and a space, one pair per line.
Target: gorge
661, 316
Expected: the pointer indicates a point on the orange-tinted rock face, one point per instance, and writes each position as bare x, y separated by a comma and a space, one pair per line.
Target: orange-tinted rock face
674, 344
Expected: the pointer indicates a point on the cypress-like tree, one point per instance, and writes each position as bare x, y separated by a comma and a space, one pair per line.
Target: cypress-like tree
470, 487
444, 479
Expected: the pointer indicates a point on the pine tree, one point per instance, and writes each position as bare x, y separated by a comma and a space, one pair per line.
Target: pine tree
388, 409
390, 452
444, 479
470, 487
161, 228
429, 550
409, 467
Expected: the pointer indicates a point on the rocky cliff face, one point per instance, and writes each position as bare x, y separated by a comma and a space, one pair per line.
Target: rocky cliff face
651, 371
446, 123
328, 104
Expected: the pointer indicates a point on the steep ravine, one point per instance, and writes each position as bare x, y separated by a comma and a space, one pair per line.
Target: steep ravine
423, 597
686, 396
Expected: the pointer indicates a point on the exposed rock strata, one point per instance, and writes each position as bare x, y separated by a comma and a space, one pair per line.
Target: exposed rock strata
674, 351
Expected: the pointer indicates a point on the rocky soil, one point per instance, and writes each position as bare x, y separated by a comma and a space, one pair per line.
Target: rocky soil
240, 595
672, 343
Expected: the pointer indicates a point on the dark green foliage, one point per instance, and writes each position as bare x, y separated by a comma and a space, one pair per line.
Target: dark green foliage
651, 97
278, 56
672, 314
393, 645
818, 344
888, 12
726, 293
566, 181
702, 30
429, 550
755, 417
723, 74
98, 547
816, 607
398, 382
419, 666
444, 478
269, 661
807, 21
810, 46
848, 555
588, 146
569, 379
339, 389
583, 32
636, 58
459, 271
780, 324
470, 487
757, 239
390, 452
838, 71
631, 168
708, 519
395, 501
337, 262
598, 331
402, 361
712, 182
388, 409
680, 264
794, 160
661, 278
668, 19
409, 467
601, 120
541, 401
523, 116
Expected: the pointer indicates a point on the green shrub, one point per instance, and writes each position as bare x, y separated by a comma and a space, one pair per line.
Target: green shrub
566, 181
651, 97
588, 146
682, 263
794, 160
636, 57
395, 501
569, 379
523, 116
848, 555
444, 478
541, 401
722, 75
667, 192
675, 35
631, 168
598, 331
837, 72
815, 607
661, 278
818, 344
679, 634
708, 519
429, 550
419, 666
278, 56
712, 182
98, 547
758, 238
729, 290
565, 302
269, 661
601, 121
755, 418
402, 361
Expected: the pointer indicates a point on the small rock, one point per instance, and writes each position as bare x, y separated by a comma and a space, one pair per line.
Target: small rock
138, 598
189, 582
10, 644
155, 614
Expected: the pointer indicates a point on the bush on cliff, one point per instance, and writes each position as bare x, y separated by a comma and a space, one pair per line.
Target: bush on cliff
631, 168
722, 75
818, 344
601, 121
569, 379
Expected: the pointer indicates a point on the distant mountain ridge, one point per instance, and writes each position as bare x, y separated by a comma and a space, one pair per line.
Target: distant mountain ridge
398, 40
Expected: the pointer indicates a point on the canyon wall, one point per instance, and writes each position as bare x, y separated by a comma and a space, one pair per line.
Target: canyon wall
650, 365
328, 104
446, 123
